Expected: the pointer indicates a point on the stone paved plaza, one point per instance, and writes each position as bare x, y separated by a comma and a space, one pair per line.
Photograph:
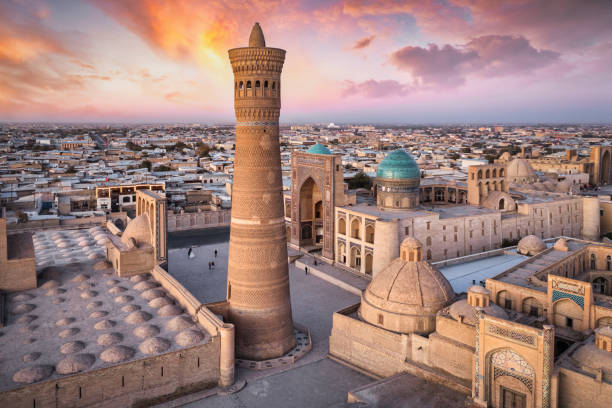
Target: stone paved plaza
315, 380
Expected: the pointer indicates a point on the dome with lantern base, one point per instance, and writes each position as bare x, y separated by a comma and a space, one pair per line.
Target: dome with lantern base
406, 295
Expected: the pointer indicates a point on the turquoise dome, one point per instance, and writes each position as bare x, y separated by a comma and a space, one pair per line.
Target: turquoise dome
398, 165
318, 149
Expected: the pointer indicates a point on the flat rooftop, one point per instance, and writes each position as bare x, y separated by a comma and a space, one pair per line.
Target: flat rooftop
462, 275
533, 265
81, 311
444, 211
385, 214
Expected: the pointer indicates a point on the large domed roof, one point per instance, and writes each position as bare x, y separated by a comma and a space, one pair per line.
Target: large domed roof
318, 149
409, 287
405, 296
519, 171
398, 165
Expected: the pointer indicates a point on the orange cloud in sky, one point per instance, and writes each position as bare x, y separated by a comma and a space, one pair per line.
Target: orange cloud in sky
198, 30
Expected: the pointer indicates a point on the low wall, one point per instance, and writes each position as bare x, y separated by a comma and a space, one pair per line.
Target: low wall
368, 347
57, 223
138, 383
382, 353
199, 220
582, 390
206, 318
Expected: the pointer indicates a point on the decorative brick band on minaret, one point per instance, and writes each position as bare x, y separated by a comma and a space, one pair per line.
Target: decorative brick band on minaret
258, 278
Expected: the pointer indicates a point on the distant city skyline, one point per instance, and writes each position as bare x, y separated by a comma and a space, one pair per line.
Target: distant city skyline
351, 61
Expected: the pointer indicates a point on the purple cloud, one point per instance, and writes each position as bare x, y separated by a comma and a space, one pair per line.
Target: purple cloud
490, 55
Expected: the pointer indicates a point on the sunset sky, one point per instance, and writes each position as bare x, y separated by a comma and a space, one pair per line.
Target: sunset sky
379, 61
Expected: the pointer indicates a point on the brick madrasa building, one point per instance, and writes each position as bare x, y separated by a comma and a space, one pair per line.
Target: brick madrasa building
497, 205
538, 334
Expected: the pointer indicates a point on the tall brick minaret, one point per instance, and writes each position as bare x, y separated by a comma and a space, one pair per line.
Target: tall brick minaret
258, 278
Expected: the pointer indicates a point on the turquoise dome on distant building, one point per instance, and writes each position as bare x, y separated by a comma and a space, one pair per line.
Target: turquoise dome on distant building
398, 165
318, 149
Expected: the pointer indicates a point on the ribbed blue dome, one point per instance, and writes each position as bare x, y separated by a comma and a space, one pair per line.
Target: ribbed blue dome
398, 165
318, 149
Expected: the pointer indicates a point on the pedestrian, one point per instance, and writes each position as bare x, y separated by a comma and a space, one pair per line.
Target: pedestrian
213, 265
306, 270
189, 253
215, 253
209, 265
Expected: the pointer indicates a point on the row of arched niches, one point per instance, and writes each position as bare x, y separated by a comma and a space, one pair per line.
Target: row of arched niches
250, 88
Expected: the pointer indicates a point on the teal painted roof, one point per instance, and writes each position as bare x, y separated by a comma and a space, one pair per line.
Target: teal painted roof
398, 165
318, 149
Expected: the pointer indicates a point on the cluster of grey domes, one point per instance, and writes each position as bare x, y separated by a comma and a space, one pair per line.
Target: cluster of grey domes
106, 320
67, 246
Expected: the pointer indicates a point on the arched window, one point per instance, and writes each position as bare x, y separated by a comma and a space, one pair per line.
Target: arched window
342, 226
494, 173
428, 241
370, 234
355, 228
593, 259
599, 285
608, 262
429, 254
265, 84
501, 172
487, 174
248, 84
479, 174
504, 300
257, 84
273, 85
241, 85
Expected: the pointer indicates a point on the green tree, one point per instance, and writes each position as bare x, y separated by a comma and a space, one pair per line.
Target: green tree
162, 167
133, 147
203, 150
360, 180
146, 164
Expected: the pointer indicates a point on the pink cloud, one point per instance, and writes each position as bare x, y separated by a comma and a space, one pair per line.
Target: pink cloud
375, 89
363, 43
559, 24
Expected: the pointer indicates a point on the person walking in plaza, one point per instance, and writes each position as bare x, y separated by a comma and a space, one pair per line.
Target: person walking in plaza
215, 253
